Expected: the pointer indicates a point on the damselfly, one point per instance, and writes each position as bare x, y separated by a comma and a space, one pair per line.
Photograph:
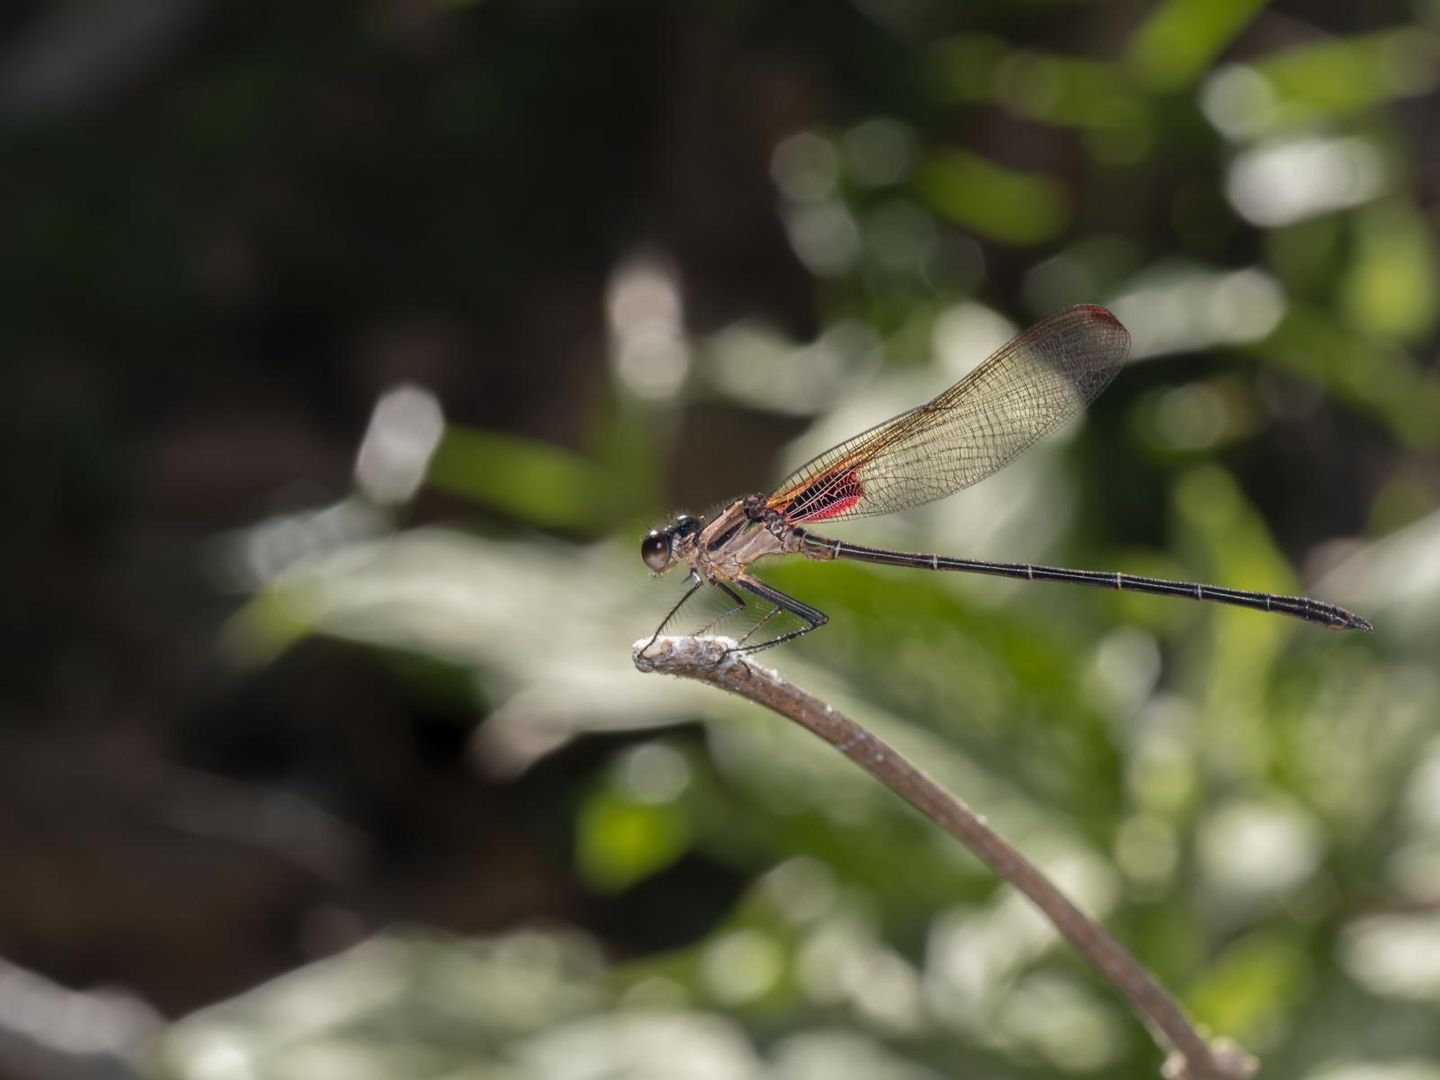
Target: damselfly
1026, 389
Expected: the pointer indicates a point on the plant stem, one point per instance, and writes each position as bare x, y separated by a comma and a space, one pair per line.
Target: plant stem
712, 660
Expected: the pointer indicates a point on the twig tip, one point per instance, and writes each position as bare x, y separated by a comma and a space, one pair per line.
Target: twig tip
671, 655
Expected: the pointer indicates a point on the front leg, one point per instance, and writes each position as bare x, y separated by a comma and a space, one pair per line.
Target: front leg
695, 584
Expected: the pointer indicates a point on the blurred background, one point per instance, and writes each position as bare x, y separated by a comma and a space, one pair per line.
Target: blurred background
350, 348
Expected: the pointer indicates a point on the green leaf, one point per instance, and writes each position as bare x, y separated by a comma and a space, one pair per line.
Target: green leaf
1390, 286
1250, 990
1000, 203
1377, 379
619, 842
1349, 75
1181, 38
531, 480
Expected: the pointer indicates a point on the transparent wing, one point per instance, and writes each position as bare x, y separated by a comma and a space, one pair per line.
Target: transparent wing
1025, 390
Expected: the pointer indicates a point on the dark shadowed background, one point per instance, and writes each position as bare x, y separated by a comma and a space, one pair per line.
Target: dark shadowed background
348, 350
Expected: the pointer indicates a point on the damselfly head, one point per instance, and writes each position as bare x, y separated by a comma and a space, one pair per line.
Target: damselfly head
658, 547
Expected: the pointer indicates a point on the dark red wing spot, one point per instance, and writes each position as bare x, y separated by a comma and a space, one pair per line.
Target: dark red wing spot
1100, 314
834, 508
824, 497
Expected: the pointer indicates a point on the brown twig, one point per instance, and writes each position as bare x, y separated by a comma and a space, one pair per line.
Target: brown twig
710, 660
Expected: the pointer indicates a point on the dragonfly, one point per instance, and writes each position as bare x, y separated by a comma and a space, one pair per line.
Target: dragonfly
1023, 391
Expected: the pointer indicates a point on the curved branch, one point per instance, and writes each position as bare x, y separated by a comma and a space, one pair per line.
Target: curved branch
712, 660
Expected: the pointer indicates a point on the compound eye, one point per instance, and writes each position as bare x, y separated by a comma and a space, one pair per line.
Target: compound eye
655, 550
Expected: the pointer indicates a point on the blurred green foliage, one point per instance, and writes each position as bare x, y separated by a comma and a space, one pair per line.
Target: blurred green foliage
995, 202
1180, 39
1248, 803
1238, 797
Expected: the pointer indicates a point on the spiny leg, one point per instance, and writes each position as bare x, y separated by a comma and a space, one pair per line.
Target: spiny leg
738, 602
813, 617
694, 587
755, 629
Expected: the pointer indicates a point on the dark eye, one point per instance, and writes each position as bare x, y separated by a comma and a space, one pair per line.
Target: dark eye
655, 550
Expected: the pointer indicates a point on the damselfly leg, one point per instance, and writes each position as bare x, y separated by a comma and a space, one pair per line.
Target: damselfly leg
694, 587
737, 605
812, 617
